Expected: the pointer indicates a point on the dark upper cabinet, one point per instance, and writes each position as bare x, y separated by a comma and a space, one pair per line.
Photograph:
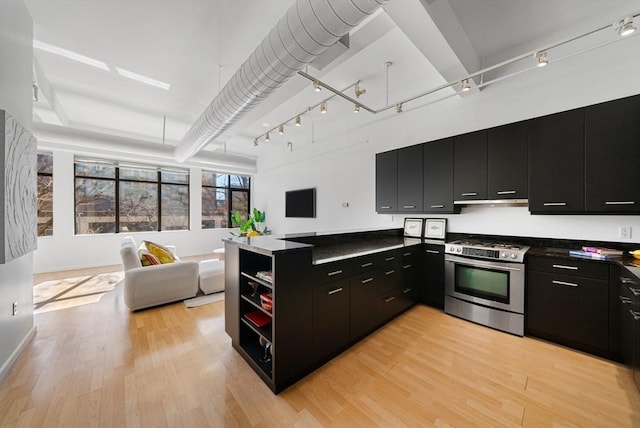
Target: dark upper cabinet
470, 166
387, 182
410, 179
438, 177
556, 163
612, 150
507, 162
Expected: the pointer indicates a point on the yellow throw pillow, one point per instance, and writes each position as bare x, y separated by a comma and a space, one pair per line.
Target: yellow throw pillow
160, 251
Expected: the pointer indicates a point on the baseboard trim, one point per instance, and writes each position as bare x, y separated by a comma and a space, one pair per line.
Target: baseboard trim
6, 367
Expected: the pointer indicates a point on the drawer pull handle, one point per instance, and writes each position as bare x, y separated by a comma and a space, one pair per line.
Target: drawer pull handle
406, 207
555, 204
625, 280
635, 291
364, 281
407, 254
635, 315
385, 208
406, 290
625, 300
470, 194
388, 259
565, 267
406, 266
337, 290
389, 272
436, 206
335, 272
432, 251
388, 299
620, 203
570, 284
506, 192
366, 264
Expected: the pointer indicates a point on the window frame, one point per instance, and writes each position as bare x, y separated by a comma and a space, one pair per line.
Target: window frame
44, 174
228, 188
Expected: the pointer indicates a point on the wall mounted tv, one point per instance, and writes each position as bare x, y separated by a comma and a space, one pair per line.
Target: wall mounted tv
300, 203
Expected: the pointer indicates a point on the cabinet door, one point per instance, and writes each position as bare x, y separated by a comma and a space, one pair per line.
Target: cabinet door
556, 163
365, 309
569, 309
330, 318
612, 147
433, 268
438, 176
507, 162
387, 182
470, 166
410, 179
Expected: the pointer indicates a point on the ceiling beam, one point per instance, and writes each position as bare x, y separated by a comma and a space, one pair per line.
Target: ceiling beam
48, 92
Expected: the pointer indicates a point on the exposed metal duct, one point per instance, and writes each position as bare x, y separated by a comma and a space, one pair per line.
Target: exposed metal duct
307, 29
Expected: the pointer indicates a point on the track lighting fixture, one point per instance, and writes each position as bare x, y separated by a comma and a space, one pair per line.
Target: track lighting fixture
255, 142
316, 86
281, 130
359, 91
298, 123
266, 138
465, 85
541, 57
626, 27
323, 107
356, 108
399, 108
34, 93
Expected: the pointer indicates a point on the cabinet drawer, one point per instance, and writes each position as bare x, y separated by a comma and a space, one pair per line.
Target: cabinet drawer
366, 263
572, 267
334, 271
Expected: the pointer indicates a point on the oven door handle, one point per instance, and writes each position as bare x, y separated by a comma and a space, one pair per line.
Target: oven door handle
472, 263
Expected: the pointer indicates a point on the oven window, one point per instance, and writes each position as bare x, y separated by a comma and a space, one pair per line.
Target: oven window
484, 283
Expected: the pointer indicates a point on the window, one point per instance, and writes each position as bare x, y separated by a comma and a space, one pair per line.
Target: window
222, 195
45, 194
117, 198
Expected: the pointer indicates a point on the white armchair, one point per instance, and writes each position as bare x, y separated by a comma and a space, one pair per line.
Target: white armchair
146, 286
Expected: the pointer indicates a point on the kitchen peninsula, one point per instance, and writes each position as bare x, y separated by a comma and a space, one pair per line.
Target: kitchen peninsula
327, 291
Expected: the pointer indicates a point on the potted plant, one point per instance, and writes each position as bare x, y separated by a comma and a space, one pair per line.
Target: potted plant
253, 226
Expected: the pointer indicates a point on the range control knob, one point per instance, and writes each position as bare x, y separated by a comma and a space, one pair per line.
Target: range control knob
459, 250
504, 255
514, 256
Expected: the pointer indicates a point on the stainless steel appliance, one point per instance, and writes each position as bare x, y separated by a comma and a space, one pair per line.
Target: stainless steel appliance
484, 283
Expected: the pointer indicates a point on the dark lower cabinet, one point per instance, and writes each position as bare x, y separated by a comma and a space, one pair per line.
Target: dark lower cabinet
365, 307
433, 275
629, 311
331, 318
567, 308
556, 163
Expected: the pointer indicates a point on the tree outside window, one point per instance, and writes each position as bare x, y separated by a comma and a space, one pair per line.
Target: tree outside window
222, 195
44, 201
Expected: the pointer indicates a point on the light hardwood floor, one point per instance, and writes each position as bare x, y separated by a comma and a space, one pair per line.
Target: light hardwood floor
100, 365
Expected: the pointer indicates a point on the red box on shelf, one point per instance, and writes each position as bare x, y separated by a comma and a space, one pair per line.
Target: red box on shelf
266, 300
258, 318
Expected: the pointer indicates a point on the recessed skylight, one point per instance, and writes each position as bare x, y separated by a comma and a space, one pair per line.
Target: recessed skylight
143, 79
70, 55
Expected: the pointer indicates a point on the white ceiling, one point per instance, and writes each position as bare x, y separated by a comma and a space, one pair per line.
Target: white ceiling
197, 45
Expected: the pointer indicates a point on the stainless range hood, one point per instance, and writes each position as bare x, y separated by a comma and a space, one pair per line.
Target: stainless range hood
503, 202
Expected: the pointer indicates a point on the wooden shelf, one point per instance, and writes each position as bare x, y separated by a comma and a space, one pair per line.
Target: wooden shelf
262, 331
255, 301
253, 277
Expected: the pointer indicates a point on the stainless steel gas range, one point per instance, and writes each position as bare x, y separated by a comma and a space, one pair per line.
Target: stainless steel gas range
484, 283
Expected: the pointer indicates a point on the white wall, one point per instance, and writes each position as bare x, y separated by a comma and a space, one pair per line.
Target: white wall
341, 165
16, 276
65, 250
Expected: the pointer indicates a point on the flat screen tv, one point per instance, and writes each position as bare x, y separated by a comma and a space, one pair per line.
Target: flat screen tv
300, 203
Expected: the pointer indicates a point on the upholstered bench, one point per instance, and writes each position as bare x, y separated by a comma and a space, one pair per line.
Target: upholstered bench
211, 276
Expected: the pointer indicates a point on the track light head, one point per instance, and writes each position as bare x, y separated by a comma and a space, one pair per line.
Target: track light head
464, 85
626, 27
266, 138
356, 108
323, 107
298, 122
281, 130
541, 58
316, 86
399, 108
359, 91
255, 142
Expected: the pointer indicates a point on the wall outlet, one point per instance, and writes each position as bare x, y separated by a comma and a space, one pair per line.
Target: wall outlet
15, 308
624, 232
